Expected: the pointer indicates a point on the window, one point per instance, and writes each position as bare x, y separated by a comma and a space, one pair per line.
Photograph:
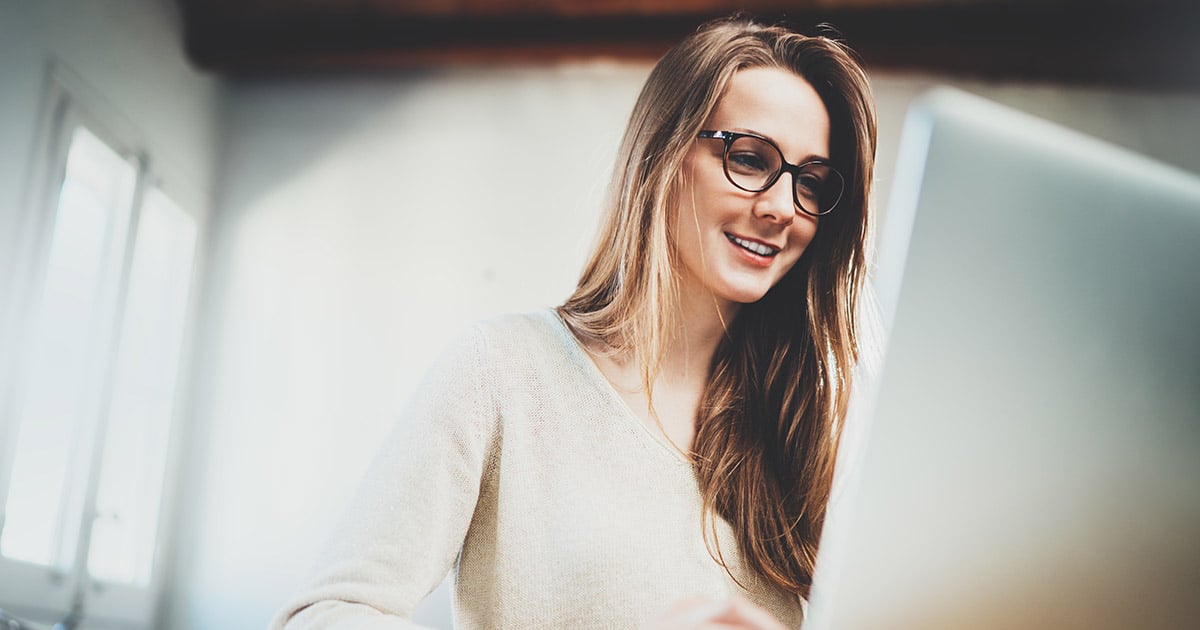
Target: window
91, 409
60, 394
134, 459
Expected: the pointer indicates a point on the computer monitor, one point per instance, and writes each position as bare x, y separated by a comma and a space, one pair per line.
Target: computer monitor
1031, 453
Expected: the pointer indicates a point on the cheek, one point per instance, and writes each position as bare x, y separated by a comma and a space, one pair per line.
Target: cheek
801, 241
683, 237
803, 232
692, 210
704, 181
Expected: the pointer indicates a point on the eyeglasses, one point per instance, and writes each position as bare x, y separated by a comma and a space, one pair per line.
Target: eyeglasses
754, 163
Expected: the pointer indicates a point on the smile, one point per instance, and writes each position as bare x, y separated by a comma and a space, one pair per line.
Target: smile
751, 246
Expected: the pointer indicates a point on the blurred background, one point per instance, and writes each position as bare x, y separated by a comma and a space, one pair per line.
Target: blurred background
234, 234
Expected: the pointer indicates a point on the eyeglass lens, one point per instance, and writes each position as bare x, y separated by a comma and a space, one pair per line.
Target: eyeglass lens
753, 164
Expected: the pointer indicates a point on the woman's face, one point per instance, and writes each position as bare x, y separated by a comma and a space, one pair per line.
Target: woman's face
735, 245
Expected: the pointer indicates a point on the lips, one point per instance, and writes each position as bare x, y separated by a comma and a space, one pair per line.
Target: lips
753, 247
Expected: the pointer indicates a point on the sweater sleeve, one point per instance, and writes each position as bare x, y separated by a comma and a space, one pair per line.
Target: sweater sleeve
405, 526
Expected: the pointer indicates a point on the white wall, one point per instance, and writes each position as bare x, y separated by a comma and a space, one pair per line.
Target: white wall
365, 220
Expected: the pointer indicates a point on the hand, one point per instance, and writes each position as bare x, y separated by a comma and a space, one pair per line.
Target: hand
706, 613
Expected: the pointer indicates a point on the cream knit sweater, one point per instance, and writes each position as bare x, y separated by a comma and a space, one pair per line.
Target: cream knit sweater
519, 467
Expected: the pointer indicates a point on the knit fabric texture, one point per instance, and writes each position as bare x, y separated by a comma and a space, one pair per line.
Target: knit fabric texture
520, 468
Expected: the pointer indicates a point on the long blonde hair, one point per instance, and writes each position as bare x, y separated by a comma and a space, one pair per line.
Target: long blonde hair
770, 417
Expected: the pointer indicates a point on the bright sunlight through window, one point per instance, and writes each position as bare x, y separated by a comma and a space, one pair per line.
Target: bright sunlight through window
100, 374
127, 503
57, 414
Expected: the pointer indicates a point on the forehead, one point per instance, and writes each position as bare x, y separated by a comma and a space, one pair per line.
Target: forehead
778, 104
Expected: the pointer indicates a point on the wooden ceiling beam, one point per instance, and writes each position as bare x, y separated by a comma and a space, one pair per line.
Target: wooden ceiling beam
1152, 44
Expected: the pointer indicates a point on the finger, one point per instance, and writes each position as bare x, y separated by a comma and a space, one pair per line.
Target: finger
692, 613
704, 610
743, 611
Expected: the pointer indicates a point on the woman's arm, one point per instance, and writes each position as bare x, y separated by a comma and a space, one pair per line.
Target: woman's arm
406, 525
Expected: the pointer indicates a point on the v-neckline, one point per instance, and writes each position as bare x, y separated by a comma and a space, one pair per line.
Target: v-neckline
587, 363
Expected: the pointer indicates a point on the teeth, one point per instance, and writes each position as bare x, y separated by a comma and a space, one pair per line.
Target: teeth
757, 248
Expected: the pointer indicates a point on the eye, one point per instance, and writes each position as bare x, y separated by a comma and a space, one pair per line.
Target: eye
748, 163
809, 184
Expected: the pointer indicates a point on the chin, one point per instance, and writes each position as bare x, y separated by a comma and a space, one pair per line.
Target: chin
746, 296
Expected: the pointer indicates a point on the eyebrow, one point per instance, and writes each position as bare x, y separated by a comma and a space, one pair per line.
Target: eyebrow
811, 157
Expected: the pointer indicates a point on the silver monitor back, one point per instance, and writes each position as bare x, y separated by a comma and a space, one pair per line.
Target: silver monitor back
1032, 459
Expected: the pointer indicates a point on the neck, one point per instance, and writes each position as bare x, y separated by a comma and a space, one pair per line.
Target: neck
702, 325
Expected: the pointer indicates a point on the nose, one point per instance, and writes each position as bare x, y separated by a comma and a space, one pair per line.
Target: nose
776, 204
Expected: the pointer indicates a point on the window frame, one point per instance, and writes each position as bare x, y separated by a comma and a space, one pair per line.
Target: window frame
32, 590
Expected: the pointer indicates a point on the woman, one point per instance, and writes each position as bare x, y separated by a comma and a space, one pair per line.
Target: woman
658, 451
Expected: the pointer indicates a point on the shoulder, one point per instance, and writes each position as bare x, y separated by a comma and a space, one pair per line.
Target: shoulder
524, 336
543, 323
504, 346
487, 339
524, 353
